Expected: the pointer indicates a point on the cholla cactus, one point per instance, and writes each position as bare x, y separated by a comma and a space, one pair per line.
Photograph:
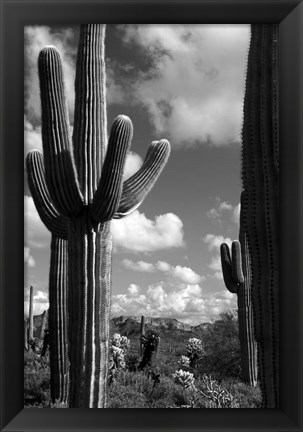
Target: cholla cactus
194, 351
120, 342
219, 396
184, 378
117, 359
184, 362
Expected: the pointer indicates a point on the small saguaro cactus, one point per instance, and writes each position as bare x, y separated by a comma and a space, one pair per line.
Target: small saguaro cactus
84, 177
58, 283
31, 313
260, 178
43, 324
142, 333
26, 334
237, 277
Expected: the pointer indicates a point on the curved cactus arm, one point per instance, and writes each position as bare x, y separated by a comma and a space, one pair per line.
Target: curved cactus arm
139, 185
60, 170
108, 194
227, 269
237, 272
90, 120
48, 213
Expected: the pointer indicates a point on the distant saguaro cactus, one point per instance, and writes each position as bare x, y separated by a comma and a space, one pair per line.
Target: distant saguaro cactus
142, 333
58, 283
85, 182
26, 334
237, 277
43, 324
31, 313
260, 178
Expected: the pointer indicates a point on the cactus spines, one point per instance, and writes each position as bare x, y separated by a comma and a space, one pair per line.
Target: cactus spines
260, 177
31, 313
85, 182
58, 283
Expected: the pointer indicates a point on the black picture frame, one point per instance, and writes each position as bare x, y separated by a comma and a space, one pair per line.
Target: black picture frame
16, 14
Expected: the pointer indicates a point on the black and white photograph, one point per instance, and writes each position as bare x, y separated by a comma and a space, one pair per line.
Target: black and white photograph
151, 216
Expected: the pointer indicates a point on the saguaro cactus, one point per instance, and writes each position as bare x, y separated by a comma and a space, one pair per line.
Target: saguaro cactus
84, 179
237, 277
26, 334
58, 282
31, 313
43, 324
142, 333
260, 177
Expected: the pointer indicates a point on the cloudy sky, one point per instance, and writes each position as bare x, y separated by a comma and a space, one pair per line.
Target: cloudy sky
184, 83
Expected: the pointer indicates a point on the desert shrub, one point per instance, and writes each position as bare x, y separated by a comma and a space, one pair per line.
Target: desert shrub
36, 380
222, 349
246, 395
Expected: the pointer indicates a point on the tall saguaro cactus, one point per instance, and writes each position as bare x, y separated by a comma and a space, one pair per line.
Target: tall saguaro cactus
58, 281
237, 277
85, 182
260, 177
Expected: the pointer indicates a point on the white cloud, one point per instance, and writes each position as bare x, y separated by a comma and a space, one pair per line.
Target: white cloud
36, 235
132, 164
224, 212
194, 89
32, 137
184, 302
40, 301
133, 289
137, 233
35, 39
184, 274
28, 259
214, 241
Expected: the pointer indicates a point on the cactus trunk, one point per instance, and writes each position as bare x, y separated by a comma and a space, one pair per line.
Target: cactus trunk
248, 343
260, 176
58, 283
90, 251
31, 313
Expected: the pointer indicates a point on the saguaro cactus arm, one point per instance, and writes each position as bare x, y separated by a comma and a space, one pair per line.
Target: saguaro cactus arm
136, 188
232, 266
60, 170
48, 213
90, 120
108, 194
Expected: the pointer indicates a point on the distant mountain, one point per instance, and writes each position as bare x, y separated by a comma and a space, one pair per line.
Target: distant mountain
167, 323
131, 324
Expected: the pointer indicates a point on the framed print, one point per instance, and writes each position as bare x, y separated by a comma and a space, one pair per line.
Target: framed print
195, 318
